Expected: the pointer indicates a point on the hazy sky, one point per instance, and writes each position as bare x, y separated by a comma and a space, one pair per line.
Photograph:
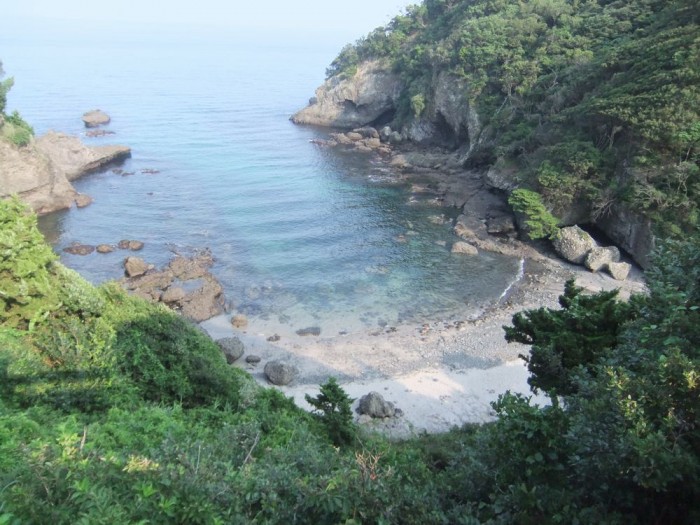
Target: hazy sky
347, 20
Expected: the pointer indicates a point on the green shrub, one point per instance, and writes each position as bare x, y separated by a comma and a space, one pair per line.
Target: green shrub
17, 130
539, 221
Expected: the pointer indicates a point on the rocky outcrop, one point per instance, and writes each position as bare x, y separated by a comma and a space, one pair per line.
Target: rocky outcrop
464, 248
74, 158
95, 118
40, 173
351, 102
31, 175
280, 373
200, 295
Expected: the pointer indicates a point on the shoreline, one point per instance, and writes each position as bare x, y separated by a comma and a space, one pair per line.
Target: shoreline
440, 374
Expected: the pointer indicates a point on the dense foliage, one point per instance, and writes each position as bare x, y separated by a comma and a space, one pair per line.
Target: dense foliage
594, 100
13, 127
113, 410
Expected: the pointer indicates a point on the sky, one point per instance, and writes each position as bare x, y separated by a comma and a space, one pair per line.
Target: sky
346, 21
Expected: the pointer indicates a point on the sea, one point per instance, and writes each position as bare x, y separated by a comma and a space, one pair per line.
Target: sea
302, 235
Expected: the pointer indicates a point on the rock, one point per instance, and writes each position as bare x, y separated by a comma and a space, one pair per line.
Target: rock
34, 178
599, 257
311, 330
126, 244
503, 224
354, 136
573, 244
239, 321
354, 101
174, 294
374, 405
464, 248
274, 338
253, 359
280, 373
631, 231
232, 347
79, 249
95, 118
74, 158
205, 301
98, 133
105, 248
619, 270
82, 200
135, 266
367, 132
385, 133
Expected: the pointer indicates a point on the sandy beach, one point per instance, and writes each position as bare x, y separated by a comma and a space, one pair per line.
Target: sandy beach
439, 374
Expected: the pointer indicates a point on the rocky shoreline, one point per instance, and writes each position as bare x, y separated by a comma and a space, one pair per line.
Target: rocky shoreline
40, 173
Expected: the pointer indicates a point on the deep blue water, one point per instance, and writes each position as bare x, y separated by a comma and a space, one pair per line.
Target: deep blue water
301, 235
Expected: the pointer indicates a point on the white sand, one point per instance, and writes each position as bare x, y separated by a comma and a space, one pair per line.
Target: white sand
439, 374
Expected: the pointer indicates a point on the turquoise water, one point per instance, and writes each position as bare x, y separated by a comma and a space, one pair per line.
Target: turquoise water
300, 234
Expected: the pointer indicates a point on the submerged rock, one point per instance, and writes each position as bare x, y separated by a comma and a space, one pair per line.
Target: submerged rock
311, 330
464, 248
105, 248
239, 321
79, 249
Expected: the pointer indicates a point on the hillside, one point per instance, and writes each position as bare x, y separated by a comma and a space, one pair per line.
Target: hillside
592, 104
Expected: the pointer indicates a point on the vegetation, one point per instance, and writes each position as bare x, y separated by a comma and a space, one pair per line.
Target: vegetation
596, 101
12, 127
114, 410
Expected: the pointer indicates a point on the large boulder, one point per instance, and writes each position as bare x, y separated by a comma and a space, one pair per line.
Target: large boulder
95, 118
74, 158
599, 257
353, 101
573, 244
135, 266
232, 348
619, 270
280, 373
374, 405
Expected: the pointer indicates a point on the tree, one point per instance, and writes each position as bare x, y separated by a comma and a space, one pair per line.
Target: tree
569, 341
333, 408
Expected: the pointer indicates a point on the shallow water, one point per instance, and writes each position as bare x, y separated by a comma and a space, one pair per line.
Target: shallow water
302, 235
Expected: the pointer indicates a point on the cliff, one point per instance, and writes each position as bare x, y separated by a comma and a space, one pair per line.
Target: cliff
40, 172
593, 106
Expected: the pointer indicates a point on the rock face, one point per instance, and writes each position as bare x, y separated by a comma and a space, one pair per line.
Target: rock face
280, 373
39, 173
629, 230
31, 175
573, 244
353, 102
74, 158
374, 405
95, 118
232, 347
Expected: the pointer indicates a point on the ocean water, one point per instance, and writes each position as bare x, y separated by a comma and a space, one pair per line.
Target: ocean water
301, 235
